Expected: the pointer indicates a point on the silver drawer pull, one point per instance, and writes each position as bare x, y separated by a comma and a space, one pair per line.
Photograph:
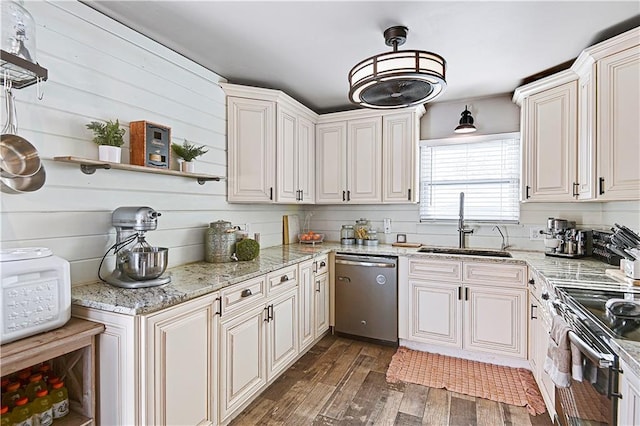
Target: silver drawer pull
246, 292
284, 278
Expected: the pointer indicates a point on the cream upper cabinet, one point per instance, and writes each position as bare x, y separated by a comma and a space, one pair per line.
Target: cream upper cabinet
271, 147
251, 150
467, 305
349, 161
550, 144
364, 160
618, 137
365, 157
579, 126
399, 154
295, 157
181, 364
331, 162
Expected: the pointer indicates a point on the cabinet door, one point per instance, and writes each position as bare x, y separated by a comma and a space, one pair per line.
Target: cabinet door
287, 153
306, 297
331, 162
629, 405
282, 346
251, 150
618, 111
180, 365
495, 320
434, 313
399, 153
321, 304
242, 358
306, 164
586, 136
364, 160
551, 138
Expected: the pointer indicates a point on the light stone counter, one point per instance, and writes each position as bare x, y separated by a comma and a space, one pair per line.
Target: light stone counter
200, 278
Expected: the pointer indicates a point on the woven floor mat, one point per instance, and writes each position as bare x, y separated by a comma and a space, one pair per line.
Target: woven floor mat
515, 386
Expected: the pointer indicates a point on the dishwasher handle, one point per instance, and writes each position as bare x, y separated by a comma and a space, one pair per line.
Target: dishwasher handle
365, 264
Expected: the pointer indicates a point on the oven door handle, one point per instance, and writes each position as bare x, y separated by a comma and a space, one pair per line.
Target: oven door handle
600, 359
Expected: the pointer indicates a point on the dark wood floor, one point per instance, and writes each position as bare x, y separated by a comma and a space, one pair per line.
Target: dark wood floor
342, 382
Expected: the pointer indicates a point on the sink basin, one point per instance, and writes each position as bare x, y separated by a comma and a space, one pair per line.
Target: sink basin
464, 251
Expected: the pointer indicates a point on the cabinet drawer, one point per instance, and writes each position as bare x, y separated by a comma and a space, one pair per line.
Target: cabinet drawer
493, 274
282, 278
322, 265
430, 269
243, 294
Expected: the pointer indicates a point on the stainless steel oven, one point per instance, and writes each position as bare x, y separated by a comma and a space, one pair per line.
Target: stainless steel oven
594, 400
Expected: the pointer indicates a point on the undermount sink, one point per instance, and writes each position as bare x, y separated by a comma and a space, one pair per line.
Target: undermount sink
464, 251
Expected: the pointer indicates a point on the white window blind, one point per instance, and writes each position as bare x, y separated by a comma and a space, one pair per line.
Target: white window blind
485, 168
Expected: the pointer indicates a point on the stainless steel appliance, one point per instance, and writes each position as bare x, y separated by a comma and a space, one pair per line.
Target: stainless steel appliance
367, 297
138, 264
36, 292
563, 239
595, 317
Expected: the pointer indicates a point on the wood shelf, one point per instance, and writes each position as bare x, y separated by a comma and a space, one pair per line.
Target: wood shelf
90, 166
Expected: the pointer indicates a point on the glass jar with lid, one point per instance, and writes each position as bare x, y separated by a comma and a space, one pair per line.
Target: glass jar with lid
18, 30
362, 229
347, 234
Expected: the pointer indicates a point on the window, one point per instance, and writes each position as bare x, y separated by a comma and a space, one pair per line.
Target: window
485, 168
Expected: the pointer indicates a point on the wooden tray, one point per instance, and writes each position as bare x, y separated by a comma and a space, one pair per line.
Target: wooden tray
617, 274
411, 245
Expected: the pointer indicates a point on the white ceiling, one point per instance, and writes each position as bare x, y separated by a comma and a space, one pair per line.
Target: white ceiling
306, 48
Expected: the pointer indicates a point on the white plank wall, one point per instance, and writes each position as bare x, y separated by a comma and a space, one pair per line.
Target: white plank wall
405, 220
100, 70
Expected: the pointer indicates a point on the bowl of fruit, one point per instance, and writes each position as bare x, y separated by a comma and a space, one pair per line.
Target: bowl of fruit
310, 237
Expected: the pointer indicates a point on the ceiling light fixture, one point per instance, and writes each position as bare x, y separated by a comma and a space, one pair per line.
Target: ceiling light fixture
397, 79
466, 123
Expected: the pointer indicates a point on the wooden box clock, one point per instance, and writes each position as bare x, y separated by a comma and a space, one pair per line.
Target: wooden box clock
149, 144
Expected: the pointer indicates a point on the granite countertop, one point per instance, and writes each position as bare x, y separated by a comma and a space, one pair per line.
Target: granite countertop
196, 279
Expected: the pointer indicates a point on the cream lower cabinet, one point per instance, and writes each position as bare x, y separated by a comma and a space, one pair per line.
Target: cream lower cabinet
313, 291
258, 336
467, 305
181, 364
629, 404
157, 369
539, 327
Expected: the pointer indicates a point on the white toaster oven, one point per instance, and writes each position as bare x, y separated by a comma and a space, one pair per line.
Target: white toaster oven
36, 292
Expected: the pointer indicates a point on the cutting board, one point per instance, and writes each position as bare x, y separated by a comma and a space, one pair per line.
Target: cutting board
617, 274
290, 229
411, 245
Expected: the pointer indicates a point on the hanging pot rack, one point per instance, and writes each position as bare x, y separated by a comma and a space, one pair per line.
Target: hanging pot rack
19, 72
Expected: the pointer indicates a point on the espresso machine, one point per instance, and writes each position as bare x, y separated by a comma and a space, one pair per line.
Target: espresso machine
138, 264
563, 239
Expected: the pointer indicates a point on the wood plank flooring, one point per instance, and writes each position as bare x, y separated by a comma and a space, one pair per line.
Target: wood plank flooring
342, 382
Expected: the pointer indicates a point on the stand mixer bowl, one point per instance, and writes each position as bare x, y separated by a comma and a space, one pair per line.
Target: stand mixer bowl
145, 263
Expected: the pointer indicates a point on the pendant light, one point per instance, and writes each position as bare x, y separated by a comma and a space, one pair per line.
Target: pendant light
397, 79
466, 123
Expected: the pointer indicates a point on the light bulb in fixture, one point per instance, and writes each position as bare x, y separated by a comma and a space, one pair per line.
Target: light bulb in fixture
466, 123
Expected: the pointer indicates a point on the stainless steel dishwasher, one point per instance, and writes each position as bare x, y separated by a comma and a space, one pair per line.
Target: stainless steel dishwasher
366, 299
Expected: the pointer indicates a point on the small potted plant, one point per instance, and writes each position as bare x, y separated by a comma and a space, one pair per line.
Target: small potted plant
188, 152
108, 137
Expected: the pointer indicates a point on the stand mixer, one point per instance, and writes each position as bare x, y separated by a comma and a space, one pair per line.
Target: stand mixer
138, 264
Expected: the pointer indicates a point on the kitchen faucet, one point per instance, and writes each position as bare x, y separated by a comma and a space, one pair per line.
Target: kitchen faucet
461, 229
503, 246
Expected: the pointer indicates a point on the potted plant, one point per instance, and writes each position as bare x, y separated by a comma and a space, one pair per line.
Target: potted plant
108, 137
188, 152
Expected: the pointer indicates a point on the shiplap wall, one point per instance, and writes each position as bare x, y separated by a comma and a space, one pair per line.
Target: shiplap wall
405, 220
99, 70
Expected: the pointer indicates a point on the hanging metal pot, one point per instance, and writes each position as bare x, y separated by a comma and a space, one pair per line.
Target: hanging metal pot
20, 167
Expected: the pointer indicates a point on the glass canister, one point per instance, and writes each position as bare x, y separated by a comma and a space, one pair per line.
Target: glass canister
220, 242
361, 229
347, 234
18, 30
